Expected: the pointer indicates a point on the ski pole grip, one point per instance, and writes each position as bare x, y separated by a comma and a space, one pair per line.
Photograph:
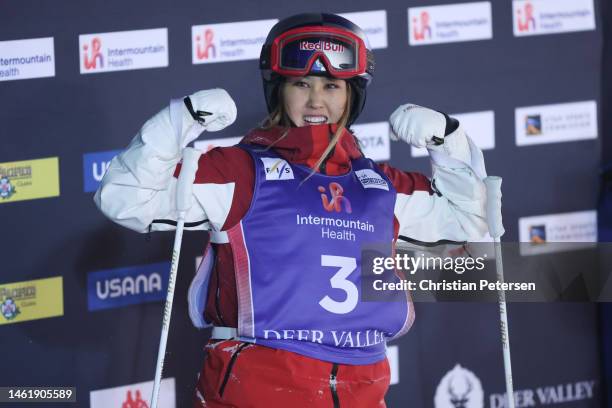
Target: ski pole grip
494, 216
189, 166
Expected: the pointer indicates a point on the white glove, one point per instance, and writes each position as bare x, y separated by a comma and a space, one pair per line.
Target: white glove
216, 110
417, 125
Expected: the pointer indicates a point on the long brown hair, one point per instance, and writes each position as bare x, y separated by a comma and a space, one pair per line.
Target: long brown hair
279, 117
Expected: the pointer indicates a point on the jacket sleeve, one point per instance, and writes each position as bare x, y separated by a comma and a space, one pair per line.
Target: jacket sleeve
450, 206
139, 187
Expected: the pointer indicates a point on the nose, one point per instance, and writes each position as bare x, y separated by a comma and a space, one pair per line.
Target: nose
315, 97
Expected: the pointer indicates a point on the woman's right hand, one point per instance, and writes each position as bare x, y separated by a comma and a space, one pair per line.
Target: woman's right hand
219, 112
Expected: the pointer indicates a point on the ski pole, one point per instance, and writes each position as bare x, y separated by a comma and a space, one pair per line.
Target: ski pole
183, 202
496, 230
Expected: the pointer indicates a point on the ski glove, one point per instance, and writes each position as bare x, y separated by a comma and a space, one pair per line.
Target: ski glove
211, 110
418, 126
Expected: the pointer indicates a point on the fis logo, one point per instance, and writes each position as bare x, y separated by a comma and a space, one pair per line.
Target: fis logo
205, 48
422, 30
524, 18
127, 286
94, 167
337, 199
277, 169
92, 55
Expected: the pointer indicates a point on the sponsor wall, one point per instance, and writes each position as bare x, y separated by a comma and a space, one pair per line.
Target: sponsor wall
82, 299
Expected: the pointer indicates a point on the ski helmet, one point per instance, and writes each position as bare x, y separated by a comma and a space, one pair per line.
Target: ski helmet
317, 44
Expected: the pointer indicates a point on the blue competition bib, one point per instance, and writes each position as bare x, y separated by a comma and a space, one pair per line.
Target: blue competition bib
297, 255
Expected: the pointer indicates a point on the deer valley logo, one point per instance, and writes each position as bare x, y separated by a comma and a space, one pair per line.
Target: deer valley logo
130, 402
459, 388
205, 48
524, 18
92, 55
337, 201
421, 29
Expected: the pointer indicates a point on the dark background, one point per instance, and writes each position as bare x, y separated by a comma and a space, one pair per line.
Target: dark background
72, 114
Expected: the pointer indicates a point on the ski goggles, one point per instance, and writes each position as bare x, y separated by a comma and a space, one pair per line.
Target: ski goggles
306, 50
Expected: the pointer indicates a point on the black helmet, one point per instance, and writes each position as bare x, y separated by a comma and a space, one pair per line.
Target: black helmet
317, 44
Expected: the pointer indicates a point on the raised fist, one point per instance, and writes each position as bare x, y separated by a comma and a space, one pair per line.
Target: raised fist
417, 125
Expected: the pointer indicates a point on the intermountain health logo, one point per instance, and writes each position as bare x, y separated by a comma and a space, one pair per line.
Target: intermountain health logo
538, 17
450, 23
420, 26
234, 41
205, 48
29, 179
337, 202
123, 50
25, 59
459, 388
524, 18
31, 300
92, 56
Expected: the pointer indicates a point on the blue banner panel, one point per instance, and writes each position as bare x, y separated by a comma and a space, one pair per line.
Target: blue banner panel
119, 287
94, 167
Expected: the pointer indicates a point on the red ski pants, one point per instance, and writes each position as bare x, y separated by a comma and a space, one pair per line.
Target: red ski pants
244, 375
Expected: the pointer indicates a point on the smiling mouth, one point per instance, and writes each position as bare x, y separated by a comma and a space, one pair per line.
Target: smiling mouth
315, 120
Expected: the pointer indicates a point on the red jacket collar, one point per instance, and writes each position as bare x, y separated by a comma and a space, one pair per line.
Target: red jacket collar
305, 145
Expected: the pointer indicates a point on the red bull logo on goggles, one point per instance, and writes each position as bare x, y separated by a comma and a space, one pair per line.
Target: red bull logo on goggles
294, 52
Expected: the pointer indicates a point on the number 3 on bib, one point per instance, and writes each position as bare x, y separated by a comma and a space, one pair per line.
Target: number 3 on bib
339, 281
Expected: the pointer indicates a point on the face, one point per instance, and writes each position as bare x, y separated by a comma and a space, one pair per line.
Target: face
312, 100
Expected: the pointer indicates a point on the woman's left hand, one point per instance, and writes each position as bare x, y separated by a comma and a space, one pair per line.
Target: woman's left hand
417, 125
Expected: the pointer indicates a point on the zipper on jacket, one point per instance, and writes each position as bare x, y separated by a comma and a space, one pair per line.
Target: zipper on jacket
218, 294
332, 385
230, 366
